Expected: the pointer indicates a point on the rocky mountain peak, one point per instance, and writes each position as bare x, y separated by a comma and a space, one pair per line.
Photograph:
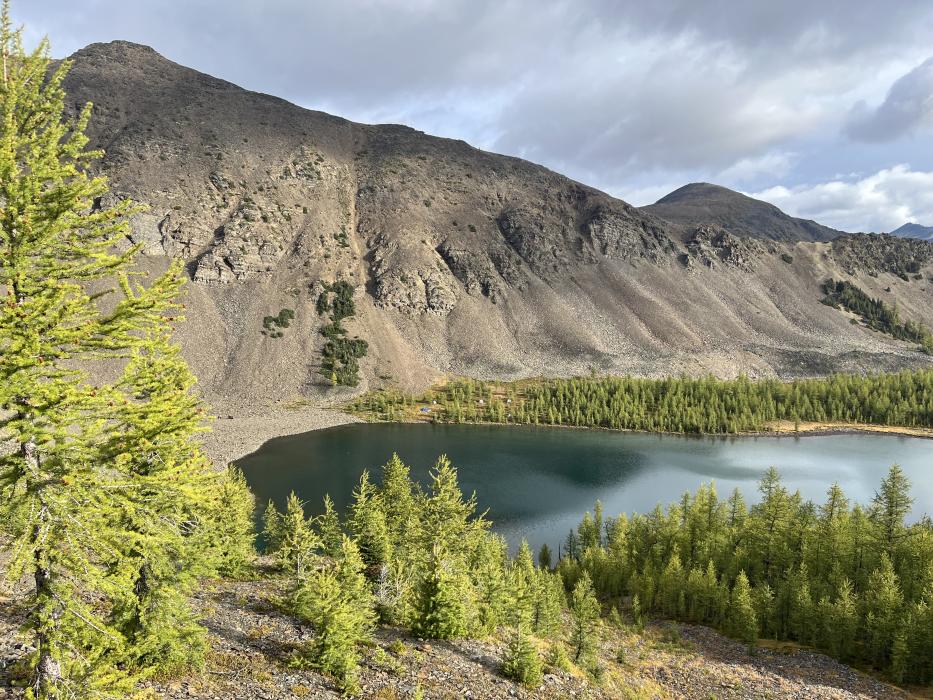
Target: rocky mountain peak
705, 203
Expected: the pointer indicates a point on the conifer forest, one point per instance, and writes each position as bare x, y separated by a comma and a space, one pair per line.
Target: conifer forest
677, 405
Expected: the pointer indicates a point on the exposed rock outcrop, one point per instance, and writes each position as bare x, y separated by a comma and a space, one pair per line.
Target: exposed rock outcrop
710, 246
875, 253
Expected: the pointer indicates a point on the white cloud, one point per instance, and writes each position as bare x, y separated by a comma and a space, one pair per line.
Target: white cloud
642, 196
879, 202
907, 107
774, 164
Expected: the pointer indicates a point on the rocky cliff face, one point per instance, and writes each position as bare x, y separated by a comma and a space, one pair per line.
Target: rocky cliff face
463, 261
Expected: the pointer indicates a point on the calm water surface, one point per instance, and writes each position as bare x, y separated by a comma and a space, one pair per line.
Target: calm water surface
537, 482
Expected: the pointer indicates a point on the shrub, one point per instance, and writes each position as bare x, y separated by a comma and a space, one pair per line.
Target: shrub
272, 325
521, 662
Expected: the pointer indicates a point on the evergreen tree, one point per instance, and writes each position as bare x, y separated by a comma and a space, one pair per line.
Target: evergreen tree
448, 520
271, 526
587, 533
802, 613
584, 616
100, 526
231, 531
549, 604
289, 536
743, 621
844, 623
523, 586
367, 522
441, 599
883, 604
769, 522
638, 614
329, 531
491, 583
336, 601
155, 441
900, 654
522, 662
670, 587
545, 557
398, 496
572, 545
890, 506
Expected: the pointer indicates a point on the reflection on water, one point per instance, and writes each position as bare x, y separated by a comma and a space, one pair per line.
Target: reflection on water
537, 482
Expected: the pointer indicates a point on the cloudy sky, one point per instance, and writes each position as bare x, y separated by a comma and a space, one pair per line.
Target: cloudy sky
823, 107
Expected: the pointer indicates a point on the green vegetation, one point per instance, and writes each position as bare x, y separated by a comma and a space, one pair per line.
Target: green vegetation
341, 237
681, 405
522, 663
337, 601
786, 257
289, 535
854, 581
430, 564
584, 616
273, 325
109, 509
341, 355
876, 314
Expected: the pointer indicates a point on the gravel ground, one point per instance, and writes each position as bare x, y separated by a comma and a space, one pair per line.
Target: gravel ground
241, 429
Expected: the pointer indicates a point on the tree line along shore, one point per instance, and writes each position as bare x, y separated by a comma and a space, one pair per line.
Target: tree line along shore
704, 405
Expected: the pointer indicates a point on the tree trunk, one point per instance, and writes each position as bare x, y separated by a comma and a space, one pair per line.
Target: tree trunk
48, 668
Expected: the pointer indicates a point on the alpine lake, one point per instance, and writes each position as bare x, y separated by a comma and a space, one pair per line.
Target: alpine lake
537, 482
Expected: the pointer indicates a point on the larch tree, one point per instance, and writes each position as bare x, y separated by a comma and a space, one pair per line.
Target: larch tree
545, 557
88, 507
890, 506
337, 601
329, 528
231, 531
289, 536
152, 441
367, 521
521, 661
742, 618
442, 599
584, 615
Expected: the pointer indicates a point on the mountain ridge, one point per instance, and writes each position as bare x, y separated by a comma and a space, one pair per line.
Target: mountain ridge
463, 261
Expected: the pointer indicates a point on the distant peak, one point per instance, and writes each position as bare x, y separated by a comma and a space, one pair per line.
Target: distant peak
698, 189
914, 230
705, 203
119, 48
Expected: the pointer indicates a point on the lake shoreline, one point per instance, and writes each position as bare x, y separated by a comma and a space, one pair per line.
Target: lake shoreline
239, 431
237, 434
536, 481
778, 432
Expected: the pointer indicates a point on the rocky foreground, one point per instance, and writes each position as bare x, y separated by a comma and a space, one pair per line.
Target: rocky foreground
252, 643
